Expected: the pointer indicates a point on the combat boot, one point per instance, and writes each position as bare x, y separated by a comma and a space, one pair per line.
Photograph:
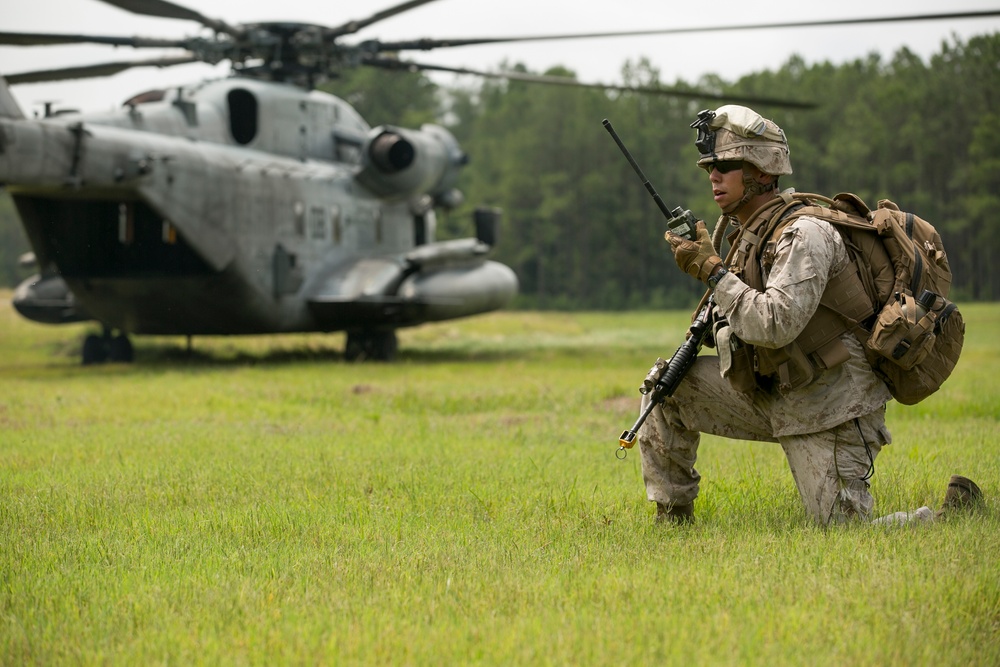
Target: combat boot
962, 494
675, 514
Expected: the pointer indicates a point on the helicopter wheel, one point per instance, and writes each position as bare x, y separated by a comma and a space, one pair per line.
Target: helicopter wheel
120, 349
371, 345
98, 349
95, 349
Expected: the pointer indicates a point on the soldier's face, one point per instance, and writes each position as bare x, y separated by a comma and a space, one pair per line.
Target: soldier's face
727, 187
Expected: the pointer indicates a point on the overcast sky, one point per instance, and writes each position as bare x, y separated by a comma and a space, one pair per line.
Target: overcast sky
595, 60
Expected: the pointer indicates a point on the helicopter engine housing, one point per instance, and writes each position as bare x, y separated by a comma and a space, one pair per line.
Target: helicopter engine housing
400, 162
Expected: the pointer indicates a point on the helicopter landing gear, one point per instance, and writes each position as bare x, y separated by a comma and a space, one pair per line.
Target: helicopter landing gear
98, 349
95, 350
120, 349
371, 345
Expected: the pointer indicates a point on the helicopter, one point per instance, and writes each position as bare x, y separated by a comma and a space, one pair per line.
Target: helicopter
251, 204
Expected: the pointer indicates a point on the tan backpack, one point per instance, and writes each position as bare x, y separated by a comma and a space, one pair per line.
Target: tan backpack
915, 337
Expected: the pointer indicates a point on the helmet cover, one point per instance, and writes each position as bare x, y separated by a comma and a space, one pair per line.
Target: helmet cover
735, 132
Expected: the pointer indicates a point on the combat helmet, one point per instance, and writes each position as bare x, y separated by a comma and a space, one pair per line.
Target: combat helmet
734, 132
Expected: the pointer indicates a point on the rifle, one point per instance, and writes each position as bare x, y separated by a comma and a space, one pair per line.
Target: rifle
663, 378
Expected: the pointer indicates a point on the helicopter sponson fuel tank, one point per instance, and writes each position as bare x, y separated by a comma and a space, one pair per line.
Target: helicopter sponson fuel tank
245, 206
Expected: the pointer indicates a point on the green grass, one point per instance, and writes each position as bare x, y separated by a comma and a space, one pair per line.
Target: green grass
261, 502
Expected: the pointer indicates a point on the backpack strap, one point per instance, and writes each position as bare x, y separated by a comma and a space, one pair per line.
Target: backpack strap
918, 261
845, 293
755, 234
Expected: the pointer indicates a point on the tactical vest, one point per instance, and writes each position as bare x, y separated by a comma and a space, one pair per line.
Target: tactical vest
845, 304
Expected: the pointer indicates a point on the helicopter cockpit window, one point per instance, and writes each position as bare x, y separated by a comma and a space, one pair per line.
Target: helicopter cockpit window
347, 147
242, 115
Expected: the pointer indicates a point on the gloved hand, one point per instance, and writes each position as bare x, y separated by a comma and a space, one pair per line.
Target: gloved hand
696, 258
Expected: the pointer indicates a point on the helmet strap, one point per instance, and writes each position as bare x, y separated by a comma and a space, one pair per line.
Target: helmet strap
751, 188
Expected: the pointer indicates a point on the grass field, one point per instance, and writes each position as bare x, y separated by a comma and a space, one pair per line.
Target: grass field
261, 502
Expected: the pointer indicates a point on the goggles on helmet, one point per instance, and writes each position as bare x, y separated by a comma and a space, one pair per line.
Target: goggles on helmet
705, 143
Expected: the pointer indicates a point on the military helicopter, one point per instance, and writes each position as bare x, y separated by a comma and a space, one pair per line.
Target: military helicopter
251, 204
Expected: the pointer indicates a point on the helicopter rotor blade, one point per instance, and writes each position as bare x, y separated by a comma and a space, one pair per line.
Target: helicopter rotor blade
44, 38
351, 27
169, 10
89, 71
390, 63
428, 44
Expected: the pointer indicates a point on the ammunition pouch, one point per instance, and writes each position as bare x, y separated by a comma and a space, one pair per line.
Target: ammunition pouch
904, 335
735, 360
817, 349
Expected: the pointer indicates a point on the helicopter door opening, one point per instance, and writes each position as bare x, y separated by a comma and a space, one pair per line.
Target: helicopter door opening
242, 115
108, 239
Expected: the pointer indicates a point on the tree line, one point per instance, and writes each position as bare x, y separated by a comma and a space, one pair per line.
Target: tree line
581, 231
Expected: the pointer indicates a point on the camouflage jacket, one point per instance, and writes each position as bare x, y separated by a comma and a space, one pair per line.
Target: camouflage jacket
808, 253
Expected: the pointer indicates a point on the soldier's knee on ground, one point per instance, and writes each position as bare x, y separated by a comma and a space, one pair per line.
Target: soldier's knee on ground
854, 502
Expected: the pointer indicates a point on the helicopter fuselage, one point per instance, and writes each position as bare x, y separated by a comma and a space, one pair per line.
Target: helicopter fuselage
243, 206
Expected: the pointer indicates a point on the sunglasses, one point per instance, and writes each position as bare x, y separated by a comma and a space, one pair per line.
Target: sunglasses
724, 166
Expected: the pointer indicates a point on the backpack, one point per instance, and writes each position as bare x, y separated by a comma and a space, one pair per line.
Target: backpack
915, 337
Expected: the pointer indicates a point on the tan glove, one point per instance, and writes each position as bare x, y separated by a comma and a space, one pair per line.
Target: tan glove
696, 258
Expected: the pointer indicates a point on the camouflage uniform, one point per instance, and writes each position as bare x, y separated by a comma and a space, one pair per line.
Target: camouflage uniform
819, 397
831, 429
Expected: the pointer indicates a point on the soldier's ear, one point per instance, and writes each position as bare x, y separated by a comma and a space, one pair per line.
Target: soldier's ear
762, 178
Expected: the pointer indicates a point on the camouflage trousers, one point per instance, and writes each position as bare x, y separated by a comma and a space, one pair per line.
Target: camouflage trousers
830, 467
